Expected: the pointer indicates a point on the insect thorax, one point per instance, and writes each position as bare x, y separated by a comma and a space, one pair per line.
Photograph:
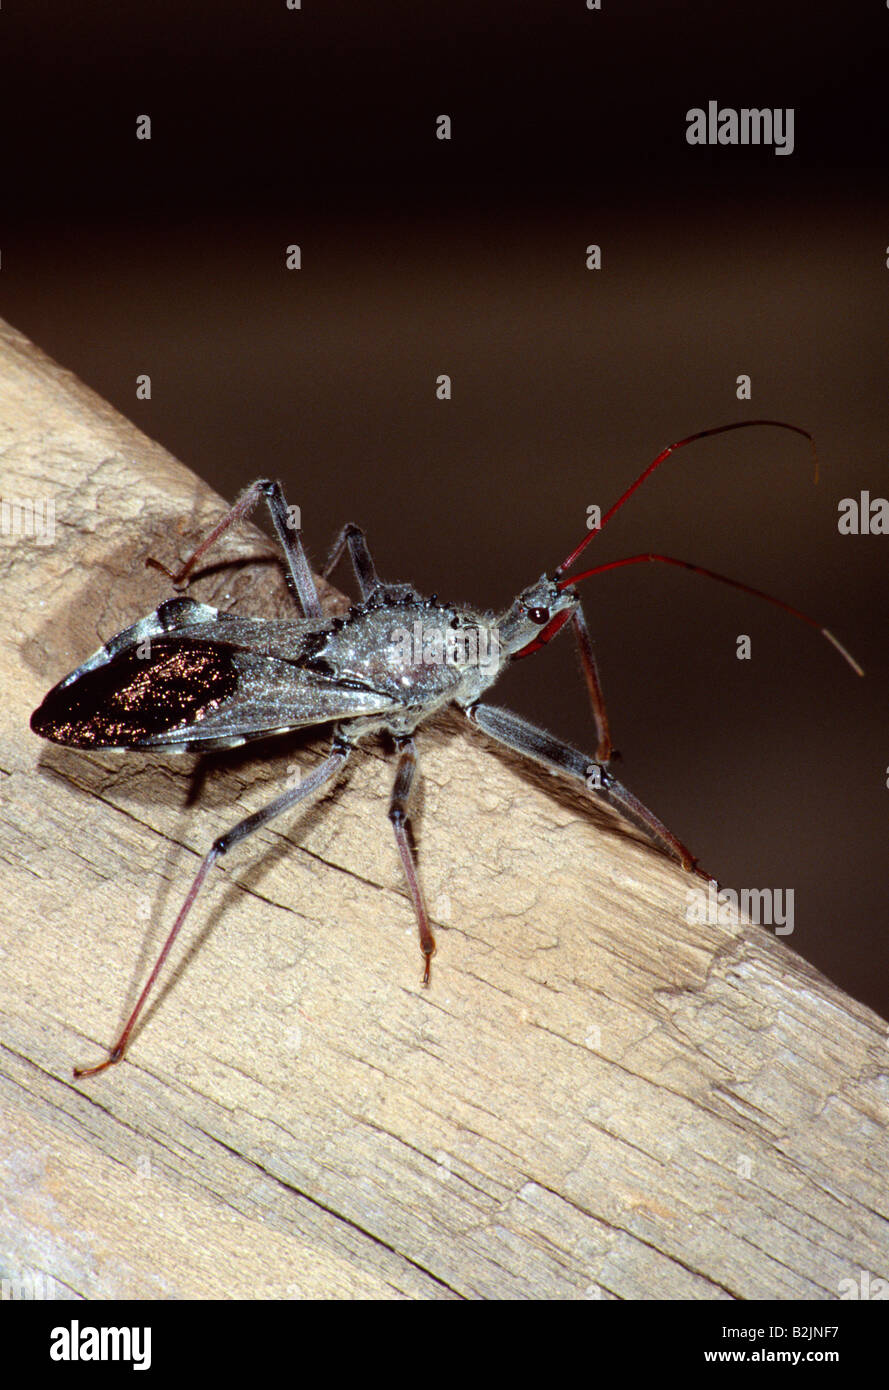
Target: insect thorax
418, 651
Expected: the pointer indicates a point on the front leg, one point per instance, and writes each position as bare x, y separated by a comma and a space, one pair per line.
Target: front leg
532, 742
604, 749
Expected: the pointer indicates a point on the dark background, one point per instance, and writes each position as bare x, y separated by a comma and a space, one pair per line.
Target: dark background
317, 126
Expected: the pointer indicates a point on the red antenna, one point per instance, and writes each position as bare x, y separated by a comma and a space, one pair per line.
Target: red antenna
564, 582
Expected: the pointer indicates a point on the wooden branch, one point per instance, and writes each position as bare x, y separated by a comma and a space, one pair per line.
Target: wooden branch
595, 1097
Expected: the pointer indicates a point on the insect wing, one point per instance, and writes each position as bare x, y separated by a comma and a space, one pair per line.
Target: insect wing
189, 677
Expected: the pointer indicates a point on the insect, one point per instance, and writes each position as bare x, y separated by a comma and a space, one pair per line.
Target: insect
190, 678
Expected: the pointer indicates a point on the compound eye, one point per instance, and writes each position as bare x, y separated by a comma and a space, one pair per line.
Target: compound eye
539, 615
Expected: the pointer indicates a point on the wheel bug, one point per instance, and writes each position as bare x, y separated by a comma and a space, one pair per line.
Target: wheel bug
190, 678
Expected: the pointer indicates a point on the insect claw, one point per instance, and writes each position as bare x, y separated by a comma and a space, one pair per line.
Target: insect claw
115, 1055
692, 866
96, 1068
151, 563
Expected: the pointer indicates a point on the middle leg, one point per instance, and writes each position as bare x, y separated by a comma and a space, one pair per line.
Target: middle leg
399, 814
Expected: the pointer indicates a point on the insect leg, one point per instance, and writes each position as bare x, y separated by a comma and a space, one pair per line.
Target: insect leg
399, 814
299, 575
329, 768
365, 570
604, 749
594, 685
515, 733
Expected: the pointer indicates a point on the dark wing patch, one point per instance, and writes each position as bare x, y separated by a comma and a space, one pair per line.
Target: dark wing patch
130, 700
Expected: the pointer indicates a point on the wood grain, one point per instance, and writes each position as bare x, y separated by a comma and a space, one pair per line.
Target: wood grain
595, 1098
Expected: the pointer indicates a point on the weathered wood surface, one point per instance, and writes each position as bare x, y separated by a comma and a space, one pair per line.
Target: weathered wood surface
595, 1098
